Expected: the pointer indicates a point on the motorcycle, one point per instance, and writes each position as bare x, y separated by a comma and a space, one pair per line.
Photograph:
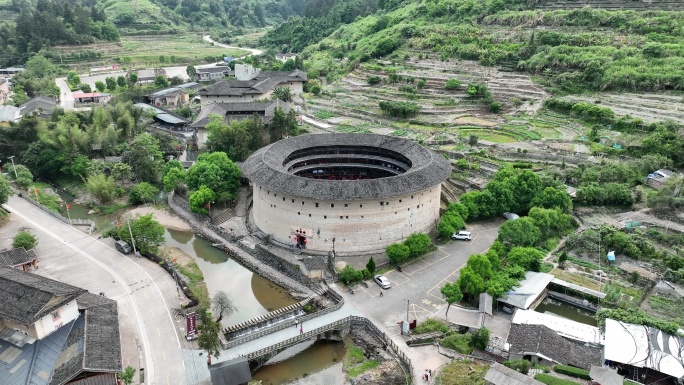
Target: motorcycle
351, 290
399, 268
365, 284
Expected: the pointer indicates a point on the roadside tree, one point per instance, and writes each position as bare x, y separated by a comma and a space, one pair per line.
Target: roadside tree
4, 189
452, 294
111, 83
208, 334
147, 233
100, 86
121, 82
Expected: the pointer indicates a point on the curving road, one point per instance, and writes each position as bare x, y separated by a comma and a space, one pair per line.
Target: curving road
253, 51
148, 331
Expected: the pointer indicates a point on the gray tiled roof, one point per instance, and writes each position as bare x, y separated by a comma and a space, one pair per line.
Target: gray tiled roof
263, 82
235, 111
213, 70
314, 263
26, 298
233, 372
539, 339
266, 168
40, 103
16, 257
502, 375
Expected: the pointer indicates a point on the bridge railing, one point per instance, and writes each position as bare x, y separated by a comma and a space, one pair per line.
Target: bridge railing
282, 325
339, 324
27, 198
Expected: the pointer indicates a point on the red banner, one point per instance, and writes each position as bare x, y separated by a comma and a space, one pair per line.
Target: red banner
191, 323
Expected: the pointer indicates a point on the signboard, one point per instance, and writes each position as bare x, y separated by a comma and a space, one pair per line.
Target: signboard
191, 323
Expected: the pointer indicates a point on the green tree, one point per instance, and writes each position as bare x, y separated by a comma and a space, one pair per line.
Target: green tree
553, 197
208, 334
148, 234
397, 252
85, 87
161, 81
200, 199
121, 171
350, 276
132, 79
111, 83
24, 239
127, 375
217, 172
4, 189
528, 258
100, 86
101, 187
519, 232
418, 244
174, 179
142, 193
192, 72
370, 266
470, 282
145, 158
452, 294
562, 260
121, 81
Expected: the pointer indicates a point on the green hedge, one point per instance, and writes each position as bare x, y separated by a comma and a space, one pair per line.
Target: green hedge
572, 371
551, 380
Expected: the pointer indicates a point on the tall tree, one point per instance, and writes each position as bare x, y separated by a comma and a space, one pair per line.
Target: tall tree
222, 305
192, 72
208, 334
145, 158
148, 234
452, 294
217, 172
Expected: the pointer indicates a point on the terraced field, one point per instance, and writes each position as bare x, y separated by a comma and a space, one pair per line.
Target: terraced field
651, 107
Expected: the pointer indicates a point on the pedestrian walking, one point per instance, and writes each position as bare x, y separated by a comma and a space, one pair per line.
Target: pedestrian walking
430, 372
381, 293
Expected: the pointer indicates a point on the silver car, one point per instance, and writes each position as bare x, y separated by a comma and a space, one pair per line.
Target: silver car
462, 235
382, 281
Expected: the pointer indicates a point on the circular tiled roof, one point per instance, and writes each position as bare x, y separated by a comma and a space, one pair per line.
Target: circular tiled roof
266, 168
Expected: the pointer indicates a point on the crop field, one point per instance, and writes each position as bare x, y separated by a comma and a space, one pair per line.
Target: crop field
149, 50
650, 107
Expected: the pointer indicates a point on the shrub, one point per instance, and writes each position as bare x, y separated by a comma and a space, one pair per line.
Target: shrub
399, 109
572, 371
421, 84
458, 342
452, 84
350, 276
24, 239
142, 193
480, 338
397, 252
431, 325
551, 380
373, 79
522, 366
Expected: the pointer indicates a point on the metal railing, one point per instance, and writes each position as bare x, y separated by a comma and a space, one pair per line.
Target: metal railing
27, 198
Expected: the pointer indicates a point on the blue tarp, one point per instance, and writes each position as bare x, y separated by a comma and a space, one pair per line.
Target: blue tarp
611, 255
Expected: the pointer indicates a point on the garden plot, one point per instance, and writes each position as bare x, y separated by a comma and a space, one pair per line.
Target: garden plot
652, 107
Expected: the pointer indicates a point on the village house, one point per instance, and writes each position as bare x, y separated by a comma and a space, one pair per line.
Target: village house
284, 57
164, 118
91, 98
234, 111
9, 72
174, 96
148, 75
252, 85
210, 74
659, 177
40, 106
9, 114
19, 258
54, 333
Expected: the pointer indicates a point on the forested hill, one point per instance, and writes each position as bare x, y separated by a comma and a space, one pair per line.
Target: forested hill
619, 45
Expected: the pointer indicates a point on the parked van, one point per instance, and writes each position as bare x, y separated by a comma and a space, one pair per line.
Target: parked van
123, 247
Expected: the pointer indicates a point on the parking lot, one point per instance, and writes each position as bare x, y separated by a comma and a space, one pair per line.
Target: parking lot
420, 281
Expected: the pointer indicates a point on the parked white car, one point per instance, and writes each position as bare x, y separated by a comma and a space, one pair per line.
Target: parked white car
382, 281
462, 235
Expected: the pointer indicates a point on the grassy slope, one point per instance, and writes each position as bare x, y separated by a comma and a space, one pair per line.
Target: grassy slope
573, 50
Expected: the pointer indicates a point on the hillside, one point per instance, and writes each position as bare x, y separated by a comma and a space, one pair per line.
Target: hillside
630, 45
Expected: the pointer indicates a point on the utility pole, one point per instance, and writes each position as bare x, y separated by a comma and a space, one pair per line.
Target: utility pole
15, 169
408, 301
128, 221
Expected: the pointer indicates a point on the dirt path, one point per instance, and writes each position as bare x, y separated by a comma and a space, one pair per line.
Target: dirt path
168, 220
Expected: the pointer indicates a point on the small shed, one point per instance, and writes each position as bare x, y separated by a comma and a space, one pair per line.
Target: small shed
233, 372
530, 291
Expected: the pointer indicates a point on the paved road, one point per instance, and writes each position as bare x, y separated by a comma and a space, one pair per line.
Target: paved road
69, 255
420, 283
253, 51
